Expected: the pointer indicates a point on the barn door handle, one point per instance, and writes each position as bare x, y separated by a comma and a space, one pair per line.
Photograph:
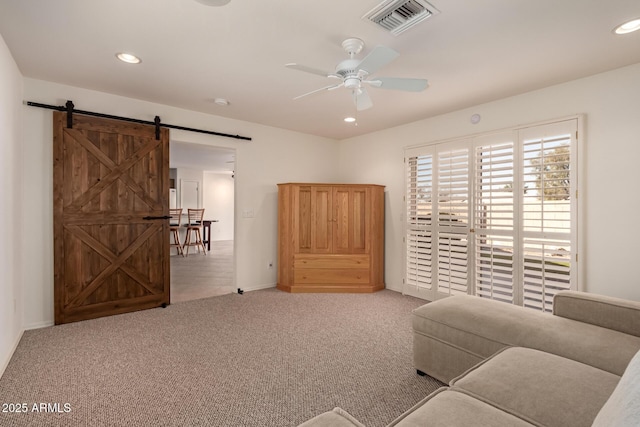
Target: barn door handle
150, 218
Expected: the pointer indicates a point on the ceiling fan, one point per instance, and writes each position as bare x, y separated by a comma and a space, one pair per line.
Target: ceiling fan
354, 73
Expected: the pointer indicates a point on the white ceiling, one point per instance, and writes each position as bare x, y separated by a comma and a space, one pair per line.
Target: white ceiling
472, 52
202, 157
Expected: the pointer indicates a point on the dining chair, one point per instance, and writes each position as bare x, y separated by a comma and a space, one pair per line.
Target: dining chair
174, 228
194, 225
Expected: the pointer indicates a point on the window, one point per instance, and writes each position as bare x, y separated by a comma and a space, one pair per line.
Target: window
494, 215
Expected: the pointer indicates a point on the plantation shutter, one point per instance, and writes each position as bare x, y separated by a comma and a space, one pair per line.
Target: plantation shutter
437, 219
495, 217
419, 218
548, 211
453, 220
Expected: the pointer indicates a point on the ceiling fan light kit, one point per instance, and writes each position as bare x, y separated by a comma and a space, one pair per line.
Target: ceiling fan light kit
354, 73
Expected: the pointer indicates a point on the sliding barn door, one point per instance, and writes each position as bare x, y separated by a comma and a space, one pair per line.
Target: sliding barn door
111, 244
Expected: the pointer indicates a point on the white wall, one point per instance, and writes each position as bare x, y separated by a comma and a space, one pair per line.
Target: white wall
11, 250
274, 156
609, 101
609, 178
218, 203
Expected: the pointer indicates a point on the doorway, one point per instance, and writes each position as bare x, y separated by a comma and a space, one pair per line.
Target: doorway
203, 177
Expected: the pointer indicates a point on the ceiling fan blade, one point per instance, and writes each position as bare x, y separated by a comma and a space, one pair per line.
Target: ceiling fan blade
361, 99
330, 87
395, 83
311, 70
377, 58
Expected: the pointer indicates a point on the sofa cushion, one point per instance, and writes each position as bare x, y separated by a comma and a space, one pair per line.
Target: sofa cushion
337, 417
539, 387
623, 407
482, 326
448, 408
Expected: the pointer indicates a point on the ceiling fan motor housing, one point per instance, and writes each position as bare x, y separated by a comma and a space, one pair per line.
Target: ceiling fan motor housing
348, 70
348, 66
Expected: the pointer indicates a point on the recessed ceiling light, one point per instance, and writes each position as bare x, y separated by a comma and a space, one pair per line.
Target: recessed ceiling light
349, 119
221, 101
214, 2
128, 58
628, 27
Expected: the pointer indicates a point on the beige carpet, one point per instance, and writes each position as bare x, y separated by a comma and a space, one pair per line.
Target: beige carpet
265, 358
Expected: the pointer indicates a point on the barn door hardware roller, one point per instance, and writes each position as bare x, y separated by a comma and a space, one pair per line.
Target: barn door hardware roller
70, 109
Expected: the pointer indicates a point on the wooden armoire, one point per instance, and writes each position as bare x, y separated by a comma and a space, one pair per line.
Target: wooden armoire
330, 237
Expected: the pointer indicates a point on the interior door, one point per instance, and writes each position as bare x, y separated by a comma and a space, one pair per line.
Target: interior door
111, 243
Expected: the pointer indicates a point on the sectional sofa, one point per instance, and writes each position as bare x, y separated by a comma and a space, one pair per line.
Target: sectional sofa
510, 366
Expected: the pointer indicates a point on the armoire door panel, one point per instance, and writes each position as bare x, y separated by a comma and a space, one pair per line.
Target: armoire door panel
342, 237
302, 201
360, 221
321, 227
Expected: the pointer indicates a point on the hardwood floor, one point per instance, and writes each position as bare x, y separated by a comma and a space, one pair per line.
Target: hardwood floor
201, 276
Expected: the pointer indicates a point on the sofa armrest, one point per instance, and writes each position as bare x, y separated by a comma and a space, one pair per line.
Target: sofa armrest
608, 312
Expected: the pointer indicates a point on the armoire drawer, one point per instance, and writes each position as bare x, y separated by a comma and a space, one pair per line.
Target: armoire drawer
306, 261
330, 276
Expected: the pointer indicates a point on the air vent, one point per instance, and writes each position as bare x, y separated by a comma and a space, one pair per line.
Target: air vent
397, 16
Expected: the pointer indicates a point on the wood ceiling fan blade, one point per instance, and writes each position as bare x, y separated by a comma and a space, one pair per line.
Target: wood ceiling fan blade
330, 87
377, 58
361, 99
398, 83
311, 70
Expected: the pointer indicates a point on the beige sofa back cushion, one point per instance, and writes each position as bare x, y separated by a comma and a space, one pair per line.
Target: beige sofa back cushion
612, 313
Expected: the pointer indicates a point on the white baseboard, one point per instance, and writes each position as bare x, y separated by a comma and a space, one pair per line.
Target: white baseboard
39, 325
259, 287
5, 362
273, 285
394, 288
